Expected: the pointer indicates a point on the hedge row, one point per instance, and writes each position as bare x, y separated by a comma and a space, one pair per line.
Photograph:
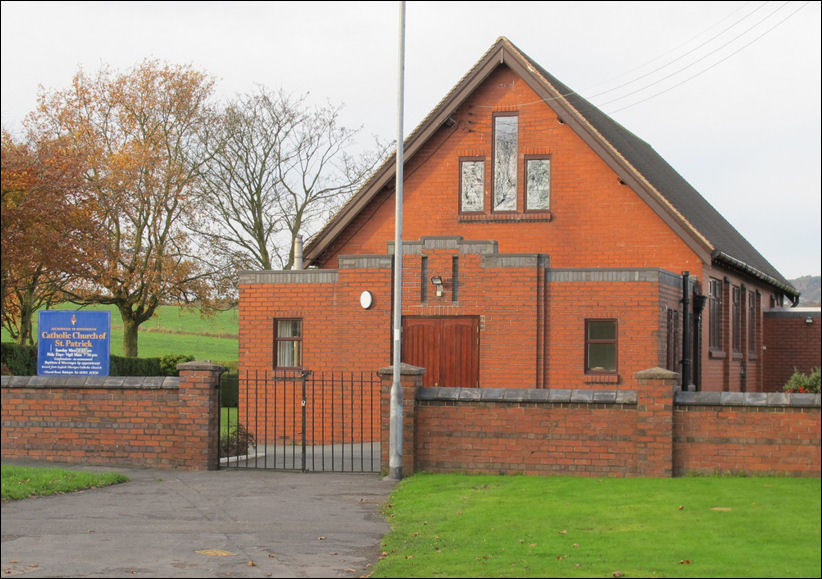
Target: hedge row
21, 360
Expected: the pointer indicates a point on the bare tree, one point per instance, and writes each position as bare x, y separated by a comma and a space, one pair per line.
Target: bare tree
277, 169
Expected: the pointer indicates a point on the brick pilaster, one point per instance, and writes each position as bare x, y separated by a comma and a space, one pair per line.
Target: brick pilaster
199, 414
655, 422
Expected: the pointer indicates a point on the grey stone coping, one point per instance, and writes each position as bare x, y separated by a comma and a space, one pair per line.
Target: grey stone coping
616, 274
405, 370
446, 242
656, 374
200, 365
442, 394
530, 395
590, 396
292, 276
89, 382
758, 399
524, 260
475, 394
365, 261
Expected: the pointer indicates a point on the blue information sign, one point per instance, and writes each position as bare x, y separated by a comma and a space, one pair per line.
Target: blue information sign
74, 343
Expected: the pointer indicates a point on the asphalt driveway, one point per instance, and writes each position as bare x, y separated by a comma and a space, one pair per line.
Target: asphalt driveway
235, 523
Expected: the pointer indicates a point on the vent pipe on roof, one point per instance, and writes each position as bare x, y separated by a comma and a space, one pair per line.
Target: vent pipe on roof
298, 252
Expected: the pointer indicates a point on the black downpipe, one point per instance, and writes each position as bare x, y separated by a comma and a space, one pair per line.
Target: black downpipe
696, 366
686, 331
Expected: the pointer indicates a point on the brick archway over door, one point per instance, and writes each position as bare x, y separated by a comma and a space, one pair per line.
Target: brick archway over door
447, 347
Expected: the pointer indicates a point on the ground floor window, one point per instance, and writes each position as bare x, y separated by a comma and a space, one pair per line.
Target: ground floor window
600, 346
288, 343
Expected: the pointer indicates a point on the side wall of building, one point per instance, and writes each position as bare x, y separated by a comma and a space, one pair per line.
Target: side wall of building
738, 360
792, 341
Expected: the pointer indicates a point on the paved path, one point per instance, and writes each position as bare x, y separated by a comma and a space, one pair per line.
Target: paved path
236, 523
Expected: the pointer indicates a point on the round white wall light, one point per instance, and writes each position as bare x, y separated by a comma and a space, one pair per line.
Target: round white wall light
366, 300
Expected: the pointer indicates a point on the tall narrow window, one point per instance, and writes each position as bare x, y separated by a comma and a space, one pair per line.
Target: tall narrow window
288, 343
715, 315
752, 323
472, 185
601, 346
505, 162
537, 184
736, 312
424, 279
455, 278
672, 359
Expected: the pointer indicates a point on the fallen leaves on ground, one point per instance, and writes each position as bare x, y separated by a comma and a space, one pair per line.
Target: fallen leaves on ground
215, 553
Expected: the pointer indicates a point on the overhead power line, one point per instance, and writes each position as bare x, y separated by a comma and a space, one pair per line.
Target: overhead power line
703, 71
670, 62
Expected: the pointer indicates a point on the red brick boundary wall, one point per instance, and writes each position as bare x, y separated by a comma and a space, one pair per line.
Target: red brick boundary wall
754, 433
157, 422
653, 431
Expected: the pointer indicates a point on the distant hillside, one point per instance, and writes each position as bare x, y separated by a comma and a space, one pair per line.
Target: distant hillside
811, 288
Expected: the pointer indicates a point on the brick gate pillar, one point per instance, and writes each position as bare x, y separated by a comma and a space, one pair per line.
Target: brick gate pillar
410, 381
655, 422
199, 415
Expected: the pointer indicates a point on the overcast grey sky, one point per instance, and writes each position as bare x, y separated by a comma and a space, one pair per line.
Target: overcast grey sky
727, 92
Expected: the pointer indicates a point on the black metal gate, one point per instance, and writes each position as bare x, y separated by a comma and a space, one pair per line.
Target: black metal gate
303, 421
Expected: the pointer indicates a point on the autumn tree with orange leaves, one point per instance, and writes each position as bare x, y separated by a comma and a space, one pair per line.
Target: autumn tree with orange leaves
48, 227
138, 133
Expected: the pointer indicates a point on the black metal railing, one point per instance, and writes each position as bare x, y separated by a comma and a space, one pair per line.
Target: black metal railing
301, 420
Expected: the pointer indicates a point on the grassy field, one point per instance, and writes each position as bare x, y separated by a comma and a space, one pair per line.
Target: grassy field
504, 526
19, 482
175, 330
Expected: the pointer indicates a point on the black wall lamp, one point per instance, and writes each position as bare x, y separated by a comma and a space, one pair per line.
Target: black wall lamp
437, 281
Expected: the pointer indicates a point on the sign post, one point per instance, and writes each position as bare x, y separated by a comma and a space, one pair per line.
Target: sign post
74, 343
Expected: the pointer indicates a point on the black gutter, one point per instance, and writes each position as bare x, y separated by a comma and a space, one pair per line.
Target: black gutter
787, 289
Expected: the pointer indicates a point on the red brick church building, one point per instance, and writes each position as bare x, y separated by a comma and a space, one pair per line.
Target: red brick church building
544, 246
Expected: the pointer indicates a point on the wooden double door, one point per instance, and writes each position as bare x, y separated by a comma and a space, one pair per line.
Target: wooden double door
447, 347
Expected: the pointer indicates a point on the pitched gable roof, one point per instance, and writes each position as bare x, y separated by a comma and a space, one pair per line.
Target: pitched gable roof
635, 162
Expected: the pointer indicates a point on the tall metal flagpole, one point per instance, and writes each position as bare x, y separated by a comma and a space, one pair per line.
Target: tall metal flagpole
395, 428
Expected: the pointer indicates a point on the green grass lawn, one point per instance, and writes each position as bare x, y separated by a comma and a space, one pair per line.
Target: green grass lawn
19, 482
521, 526
175, 330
